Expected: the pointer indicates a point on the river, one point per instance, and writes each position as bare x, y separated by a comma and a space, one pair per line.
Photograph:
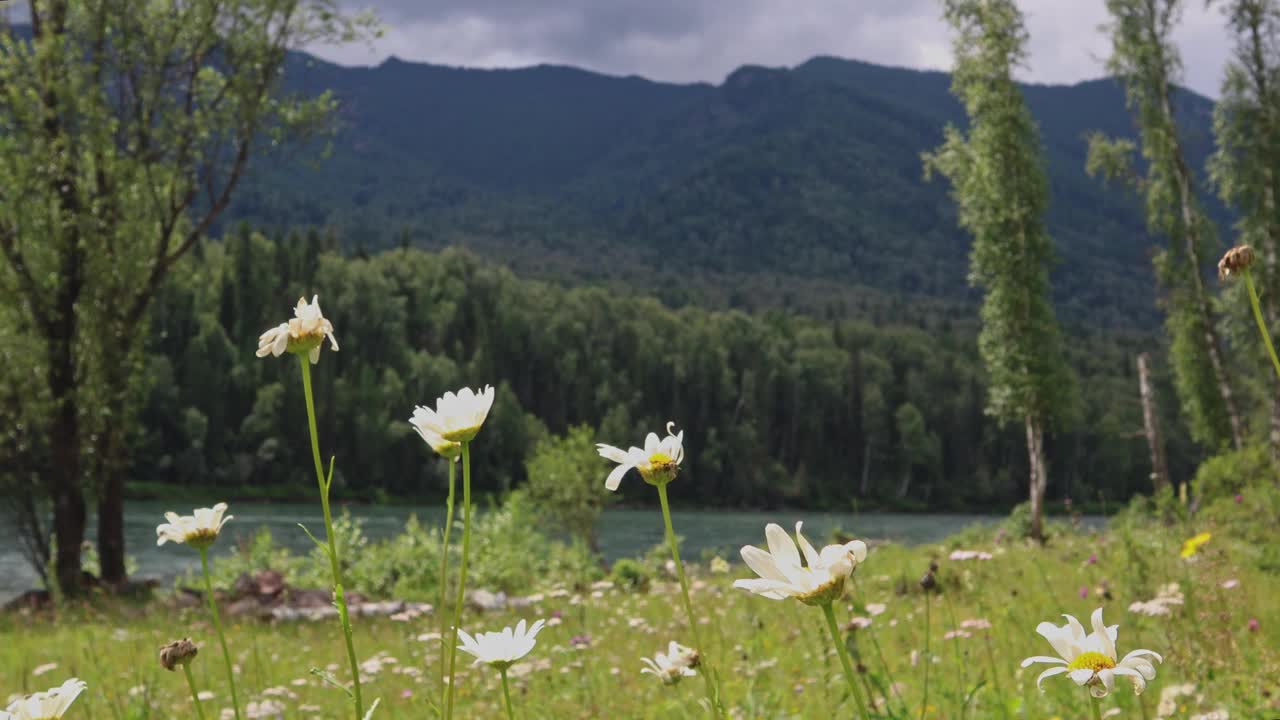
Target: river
622, 532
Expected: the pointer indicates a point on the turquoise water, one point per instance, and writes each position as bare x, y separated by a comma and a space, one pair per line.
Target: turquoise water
622, 532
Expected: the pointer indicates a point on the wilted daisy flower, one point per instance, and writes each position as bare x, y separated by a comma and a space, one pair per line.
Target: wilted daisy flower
501, 649
178, 653
456, 418
198, 530
305, 333
819, 581
1090, 659
678, 662
47, 705
447, 449
658, 462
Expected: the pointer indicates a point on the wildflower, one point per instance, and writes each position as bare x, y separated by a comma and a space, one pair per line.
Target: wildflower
1235, 261
1169, 696
976, 624
1084, 592
953, 634
178, 653
857, 623
658, 462
42, 669
969, 555
818, 582
198, 530
1253, 624
719, 565
1090, 659
678, 662
456, 418
1230, 584
1092, 559
447, 449
47, 705
305, 333
1192, 545
501, 649
874, 609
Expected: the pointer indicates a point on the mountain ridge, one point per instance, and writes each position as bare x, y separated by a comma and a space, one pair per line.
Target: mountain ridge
777, 177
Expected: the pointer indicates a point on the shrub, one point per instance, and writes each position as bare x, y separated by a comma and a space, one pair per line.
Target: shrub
631, 575
565, 476
1225, 475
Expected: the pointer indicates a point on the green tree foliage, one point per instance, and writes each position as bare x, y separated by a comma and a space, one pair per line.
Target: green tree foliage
125, 128
1246, 123
1146, 61
1000, 186
778, 409
919, 448
564, 482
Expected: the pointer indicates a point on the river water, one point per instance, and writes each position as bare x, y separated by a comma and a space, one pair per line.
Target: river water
622, 532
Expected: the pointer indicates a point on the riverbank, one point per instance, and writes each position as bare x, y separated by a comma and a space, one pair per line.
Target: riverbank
623, 532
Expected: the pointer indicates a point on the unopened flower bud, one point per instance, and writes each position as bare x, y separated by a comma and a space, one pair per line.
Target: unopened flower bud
929, 582
1237, 260
178, 652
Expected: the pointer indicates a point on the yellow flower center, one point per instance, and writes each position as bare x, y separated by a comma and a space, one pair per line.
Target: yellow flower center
1094, 661
660, 458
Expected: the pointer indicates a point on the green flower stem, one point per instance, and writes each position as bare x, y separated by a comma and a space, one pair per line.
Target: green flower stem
462, 572
195, 696
707, 671
1262, 325
893, 686
217, 626
338, 596
506, 694
843, 651
926, 659
444, 581
1096, 705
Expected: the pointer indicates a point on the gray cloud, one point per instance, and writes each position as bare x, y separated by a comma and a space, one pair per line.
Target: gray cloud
704, 40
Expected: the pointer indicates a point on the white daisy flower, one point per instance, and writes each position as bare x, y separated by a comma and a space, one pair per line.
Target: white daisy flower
1090, 659
199, 529
456, 418
47, 705
658, 462
819, 581
447, 449
501, 649
306, 332
678, 662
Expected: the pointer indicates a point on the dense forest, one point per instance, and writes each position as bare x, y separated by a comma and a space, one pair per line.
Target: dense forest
778, 408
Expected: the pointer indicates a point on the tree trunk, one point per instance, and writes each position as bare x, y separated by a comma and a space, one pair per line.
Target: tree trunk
68, 502
111, 529
866, 469
1039, 479
905, 487
1151, 425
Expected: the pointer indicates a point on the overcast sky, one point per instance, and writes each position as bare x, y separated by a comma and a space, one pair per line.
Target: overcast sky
691, 40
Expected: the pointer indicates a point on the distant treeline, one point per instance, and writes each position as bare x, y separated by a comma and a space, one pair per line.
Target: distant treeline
777, 409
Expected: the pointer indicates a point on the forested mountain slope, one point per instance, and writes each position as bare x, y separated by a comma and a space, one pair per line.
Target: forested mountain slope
777, 187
